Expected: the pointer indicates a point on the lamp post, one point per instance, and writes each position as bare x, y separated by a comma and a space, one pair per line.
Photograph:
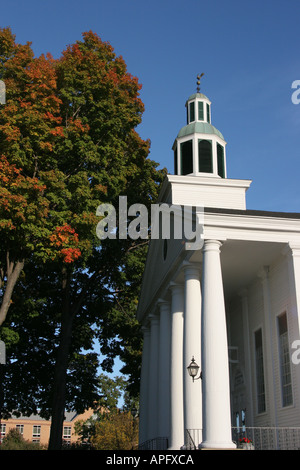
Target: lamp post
193, 370
134, 439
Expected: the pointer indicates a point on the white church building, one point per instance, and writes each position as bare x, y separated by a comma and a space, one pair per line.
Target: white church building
231, 306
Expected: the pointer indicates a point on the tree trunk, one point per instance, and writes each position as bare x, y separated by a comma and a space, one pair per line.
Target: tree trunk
61, 366
13, 271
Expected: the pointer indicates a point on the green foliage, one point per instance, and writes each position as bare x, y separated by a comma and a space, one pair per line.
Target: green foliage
111, 390
115, 431
15, 441
111, 427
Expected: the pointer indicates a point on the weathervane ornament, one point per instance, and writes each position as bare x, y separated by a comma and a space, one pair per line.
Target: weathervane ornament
198, 82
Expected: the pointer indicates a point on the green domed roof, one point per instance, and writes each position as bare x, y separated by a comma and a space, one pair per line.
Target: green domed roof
197, 95
199, 128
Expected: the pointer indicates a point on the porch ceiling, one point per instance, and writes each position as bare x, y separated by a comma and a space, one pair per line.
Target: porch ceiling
242, 261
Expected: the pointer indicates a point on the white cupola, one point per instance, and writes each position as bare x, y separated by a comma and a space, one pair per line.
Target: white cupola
200, 176
199, 148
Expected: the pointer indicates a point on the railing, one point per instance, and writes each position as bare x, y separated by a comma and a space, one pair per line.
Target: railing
159, 443
269, 438
192, 438
262, 438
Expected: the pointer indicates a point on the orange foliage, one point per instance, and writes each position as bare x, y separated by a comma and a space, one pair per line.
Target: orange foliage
66, 239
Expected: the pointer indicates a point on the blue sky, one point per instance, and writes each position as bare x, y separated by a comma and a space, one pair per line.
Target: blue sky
249, 52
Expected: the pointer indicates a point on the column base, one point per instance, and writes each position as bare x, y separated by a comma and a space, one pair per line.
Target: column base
217, 446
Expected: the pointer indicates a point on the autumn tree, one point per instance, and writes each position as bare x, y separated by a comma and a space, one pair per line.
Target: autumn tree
21, 202
111, 427
67, 144
115, 431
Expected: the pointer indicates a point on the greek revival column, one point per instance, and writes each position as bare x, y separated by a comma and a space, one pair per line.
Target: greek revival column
247, 352
215, 369
153, 378
192, 348
176, 395
164, 370
268, 331
292, 253
144, 387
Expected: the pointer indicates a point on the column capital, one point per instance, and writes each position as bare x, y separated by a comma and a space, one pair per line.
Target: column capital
174, 287
213, 245
292, 249
144, 328
191, 268
153, 318
162, 302
164, 306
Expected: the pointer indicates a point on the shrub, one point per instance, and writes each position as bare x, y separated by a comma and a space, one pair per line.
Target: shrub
15, 441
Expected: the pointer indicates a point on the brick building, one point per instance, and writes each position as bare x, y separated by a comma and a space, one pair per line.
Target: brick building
36, 429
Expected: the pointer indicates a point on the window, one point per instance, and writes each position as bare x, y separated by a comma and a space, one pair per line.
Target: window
260, 380
192, 111
205, 156
67, 432
200, 111
208, 112
20, 428
220, 158
186, 150
3, 431
36, 432
285, 364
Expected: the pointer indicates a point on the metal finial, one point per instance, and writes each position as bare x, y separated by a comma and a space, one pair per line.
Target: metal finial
198, 82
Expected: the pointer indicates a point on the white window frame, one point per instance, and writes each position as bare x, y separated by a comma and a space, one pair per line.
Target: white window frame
36, 431
67, 432
20, 428
285, 364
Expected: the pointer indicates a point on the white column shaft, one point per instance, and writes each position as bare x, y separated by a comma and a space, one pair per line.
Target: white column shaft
246, 330
153, 379
215, 369
164, 371
268, 332
144, 388
192, 348
176, 396
293, 265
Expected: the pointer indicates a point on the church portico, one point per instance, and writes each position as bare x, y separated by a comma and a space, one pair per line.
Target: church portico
232, 305
185, 324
